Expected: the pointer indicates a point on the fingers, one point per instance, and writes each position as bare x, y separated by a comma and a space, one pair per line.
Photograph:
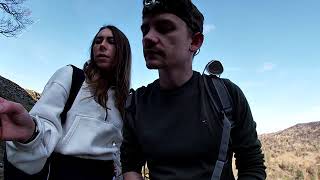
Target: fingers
2, 101
4, 135
1, 129
13, 131
1, 138
7, 107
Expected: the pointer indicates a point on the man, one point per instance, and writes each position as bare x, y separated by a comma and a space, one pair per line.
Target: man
164, 124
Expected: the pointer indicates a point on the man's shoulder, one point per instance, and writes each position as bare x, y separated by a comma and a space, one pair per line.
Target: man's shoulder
139, 93
143, 90
230, 85
233, 89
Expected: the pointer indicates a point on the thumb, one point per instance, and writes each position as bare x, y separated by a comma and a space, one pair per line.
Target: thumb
9, 107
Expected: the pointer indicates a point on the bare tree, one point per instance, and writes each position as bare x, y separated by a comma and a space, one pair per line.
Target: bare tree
13, 17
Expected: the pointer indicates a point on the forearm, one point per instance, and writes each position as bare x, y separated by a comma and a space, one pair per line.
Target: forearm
132, 176
32, 156
250, 163
256, 173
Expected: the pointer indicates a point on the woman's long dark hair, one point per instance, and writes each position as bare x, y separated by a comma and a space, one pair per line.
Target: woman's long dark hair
99, 82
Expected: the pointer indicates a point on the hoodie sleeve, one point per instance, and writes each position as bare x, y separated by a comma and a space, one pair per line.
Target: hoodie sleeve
32, 156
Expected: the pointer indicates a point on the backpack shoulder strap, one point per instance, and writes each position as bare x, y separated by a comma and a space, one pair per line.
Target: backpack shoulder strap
133, 97
223, 94
77, 81
226, 111
132, 101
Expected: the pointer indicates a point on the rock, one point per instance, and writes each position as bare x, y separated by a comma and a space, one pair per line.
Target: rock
13, 92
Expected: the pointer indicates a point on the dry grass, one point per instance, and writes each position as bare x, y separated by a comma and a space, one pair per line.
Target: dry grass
293, 153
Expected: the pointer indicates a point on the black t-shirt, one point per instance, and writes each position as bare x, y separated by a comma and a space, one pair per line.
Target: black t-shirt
167, 130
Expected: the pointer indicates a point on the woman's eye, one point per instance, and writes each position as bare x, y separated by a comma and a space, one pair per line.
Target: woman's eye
111, 40
98, 41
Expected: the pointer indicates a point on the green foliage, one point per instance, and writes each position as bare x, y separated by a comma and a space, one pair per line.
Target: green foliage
286, 167
299, 175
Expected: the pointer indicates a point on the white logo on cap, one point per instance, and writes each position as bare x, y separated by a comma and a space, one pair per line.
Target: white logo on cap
149, 3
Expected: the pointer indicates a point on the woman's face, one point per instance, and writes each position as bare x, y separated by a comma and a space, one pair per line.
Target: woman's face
104, 50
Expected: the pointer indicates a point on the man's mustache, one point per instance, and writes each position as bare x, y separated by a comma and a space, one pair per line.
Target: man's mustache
151, 51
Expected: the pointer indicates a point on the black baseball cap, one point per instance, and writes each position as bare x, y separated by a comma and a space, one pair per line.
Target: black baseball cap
184, 9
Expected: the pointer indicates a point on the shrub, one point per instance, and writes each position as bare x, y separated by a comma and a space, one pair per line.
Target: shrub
299, 175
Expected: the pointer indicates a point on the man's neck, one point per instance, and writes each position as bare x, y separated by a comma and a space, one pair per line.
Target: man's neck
173, 79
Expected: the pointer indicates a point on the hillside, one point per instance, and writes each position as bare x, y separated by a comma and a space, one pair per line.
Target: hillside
293, 153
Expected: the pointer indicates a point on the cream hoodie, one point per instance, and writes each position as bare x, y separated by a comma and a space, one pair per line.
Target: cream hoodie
89, 131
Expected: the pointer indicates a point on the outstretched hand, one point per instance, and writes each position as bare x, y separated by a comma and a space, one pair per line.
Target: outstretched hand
15, 122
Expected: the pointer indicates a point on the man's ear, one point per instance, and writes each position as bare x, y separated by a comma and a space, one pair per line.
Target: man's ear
197, 40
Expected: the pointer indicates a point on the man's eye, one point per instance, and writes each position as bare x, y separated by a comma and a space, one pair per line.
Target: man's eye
144, 30
165, 28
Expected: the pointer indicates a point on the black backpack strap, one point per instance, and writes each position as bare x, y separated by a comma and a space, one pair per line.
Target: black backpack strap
132, 101
223, 94
226, 111
224, 97
77, 81
129, 99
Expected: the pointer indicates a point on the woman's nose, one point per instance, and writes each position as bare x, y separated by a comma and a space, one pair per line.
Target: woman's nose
103, 45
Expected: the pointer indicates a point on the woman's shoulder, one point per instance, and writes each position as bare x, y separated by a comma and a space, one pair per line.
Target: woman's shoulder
63, 72
62, 76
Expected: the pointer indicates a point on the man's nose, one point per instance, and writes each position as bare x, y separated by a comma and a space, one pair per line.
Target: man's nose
150, 39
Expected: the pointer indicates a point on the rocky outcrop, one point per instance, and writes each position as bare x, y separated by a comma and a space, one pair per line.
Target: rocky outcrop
13, 92
35, 95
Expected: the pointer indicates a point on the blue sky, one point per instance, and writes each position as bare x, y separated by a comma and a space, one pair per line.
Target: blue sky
271, 49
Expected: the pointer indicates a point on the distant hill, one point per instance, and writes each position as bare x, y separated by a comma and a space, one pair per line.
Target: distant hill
293, 153
290, 154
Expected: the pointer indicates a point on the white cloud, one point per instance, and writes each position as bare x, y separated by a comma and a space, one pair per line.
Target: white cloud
42, 59
208, 28
267, 66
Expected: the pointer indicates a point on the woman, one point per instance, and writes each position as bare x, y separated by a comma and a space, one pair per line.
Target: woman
87, 145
